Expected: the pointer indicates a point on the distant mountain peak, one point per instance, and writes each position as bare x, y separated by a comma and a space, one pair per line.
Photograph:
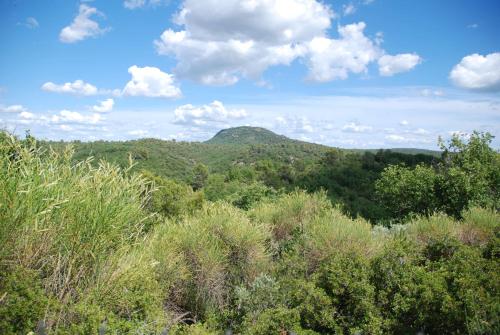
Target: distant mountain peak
247, 135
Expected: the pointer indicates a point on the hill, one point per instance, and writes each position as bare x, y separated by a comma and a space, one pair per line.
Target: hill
247, 135
229, 147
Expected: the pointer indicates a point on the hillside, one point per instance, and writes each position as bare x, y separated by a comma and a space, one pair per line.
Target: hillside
242, 145
229, 147
248, 135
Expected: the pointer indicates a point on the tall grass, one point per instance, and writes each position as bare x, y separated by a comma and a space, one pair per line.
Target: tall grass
62, 219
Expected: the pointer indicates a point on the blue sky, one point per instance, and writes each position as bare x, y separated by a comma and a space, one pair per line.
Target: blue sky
361, 73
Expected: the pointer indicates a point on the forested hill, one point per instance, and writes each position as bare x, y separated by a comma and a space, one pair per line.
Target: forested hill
229, 147
238, 163
249, 135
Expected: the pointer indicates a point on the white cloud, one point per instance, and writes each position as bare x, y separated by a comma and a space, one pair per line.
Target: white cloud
473, 26
134, 4
207, 115
390, 65
78, 87
82, 26
395, 138
66, 116
138, 132
348, 9
104, 106
404, 123
355, 127
478, 72
30, 23
426, 92
27, 115
65, 127
293, 125
151, 82
219, 46
420, 131
332, 59
13, 109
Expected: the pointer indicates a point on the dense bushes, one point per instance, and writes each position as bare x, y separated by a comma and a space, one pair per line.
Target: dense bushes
85, 249
467, 176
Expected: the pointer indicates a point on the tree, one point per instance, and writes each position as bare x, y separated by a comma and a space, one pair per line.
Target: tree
200, 175
468, 175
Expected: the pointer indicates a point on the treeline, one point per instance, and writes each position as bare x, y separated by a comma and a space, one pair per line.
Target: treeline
90, 248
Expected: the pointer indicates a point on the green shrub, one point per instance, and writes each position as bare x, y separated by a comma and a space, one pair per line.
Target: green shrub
207, 255
173, 199
22, 301
288, 216
346, 280
276, 321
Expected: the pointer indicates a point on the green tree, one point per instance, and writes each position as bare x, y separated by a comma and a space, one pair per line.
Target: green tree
468, 175
200, 175
407, 191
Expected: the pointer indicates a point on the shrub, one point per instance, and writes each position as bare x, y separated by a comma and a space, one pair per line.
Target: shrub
22, 301
209, 254
346, 280
288, 216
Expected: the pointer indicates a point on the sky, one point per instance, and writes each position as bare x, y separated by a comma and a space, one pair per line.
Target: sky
352, 74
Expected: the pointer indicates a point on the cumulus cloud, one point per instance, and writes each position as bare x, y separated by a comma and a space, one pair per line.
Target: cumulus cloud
27, 115
209, 115
13, 109
151, 82
67, 116
63, 117
78, 87
104, 106
355, 127
219, 46
332, 59
390, 65
404, 123
478, 72
82, 26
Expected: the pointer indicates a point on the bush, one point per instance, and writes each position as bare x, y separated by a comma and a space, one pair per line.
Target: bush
346, 280
173, 199
208, 255
22, 301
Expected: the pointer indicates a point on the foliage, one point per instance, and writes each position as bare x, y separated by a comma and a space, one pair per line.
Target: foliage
468, 175
241, 160
171, 198
86, 248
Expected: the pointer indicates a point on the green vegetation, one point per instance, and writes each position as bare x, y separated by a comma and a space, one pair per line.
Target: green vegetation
244, 164
89, 247
468, 175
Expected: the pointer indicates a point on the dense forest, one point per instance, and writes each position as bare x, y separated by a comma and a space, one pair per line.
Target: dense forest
248, 233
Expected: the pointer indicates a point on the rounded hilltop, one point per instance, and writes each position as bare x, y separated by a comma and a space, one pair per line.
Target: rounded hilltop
247, 135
